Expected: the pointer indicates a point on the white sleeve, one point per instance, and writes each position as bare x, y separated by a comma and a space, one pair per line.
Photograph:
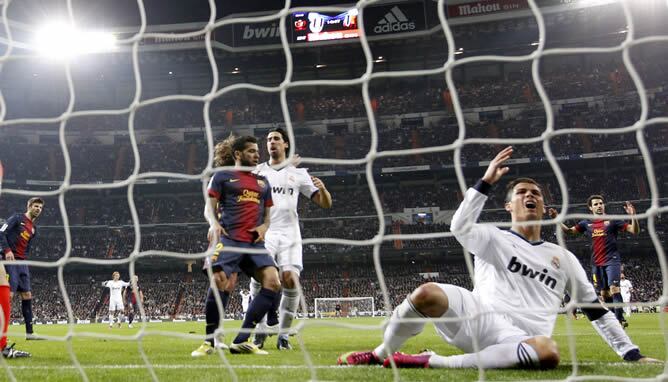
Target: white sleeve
125, 284
306, 186
471, 235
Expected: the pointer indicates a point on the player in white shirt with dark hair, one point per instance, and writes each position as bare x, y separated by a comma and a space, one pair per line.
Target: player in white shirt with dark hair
283, 237
116, 305
519, 284
626, 288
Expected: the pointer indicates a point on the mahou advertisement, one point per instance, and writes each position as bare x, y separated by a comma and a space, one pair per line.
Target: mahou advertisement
486, 7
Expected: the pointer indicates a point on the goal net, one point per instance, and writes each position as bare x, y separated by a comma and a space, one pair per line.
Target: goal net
114, 132
344, 307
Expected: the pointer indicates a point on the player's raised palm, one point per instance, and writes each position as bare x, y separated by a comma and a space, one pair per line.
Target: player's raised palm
496, 168
629, 208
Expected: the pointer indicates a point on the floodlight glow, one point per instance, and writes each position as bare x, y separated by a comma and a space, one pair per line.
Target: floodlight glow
63, 41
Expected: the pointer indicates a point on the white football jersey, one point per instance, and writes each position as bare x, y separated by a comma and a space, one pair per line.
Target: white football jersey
286, 185
625, 286
115, 288
524, 280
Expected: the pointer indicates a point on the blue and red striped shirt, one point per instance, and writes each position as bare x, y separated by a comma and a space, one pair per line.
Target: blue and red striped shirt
603, 234
242, 198
16, 235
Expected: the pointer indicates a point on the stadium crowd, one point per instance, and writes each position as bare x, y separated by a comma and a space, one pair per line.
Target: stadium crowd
172, 294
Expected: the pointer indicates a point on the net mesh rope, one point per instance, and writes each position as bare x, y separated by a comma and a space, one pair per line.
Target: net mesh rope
446, 69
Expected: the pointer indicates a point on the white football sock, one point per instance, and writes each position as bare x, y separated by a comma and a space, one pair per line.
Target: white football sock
287, 310
398, 332
501, 356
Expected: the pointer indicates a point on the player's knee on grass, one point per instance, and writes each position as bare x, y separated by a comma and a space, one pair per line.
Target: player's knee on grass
26, 295
547, 350
614, 289
268, 277
430, 300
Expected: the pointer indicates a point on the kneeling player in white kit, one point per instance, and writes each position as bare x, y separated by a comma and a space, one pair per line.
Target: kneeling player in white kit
282, 238
115, 298
511, 312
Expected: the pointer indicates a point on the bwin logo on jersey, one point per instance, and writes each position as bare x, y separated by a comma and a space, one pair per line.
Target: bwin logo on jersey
281, 190
516, 267
394, 21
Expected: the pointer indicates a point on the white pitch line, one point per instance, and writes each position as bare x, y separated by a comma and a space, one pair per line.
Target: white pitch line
287, 367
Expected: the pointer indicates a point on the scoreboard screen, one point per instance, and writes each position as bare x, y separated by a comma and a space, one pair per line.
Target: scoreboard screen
314, 26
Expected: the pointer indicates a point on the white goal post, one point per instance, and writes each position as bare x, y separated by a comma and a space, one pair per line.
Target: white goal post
349, 307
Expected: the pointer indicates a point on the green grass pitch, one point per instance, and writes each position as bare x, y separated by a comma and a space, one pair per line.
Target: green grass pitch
109, 359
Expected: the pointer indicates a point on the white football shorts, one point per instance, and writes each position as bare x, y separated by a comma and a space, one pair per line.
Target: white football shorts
487, 329
285, 251
115, 305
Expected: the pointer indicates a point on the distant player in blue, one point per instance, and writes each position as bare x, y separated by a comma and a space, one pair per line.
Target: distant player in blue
605, 259
16, 235
242, 201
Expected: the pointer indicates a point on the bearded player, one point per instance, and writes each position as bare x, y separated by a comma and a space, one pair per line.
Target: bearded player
605, 258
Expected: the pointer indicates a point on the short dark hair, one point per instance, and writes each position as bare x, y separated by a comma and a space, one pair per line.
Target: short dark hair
511, 186
284, 134
240, 143
35, 200
591, 198
224, 150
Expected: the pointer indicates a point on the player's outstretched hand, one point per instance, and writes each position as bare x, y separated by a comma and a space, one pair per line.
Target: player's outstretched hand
496, 169
552, 213
649, 360
318, 183
296, 160
215, 231
261, 230
629, 208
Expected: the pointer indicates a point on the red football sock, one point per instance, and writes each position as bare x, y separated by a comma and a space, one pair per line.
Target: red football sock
6, 309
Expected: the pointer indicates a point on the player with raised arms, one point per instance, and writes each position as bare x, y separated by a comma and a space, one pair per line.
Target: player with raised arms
284, 236
245, 301
16, 237
243, 200
116, 305
605, 257
510, 329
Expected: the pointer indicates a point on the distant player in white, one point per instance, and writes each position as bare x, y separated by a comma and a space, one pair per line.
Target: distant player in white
520, 281
626, 289
245, 300
115, 297
282, 238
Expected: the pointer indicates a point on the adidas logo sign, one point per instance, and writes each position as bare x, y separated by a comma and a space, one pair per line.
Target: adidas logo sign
394, 21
